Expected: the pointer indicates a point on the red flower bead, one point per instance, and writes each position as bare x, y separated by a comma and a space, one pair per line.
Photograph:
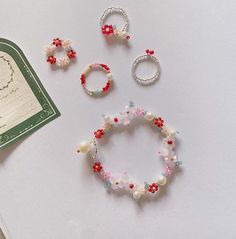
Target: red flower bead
71, 54
107, 29
170, 142
52, 60
116, 120
99, 133
82, 78
159, 122
57, 42
152, 188
131, 186
106, 87
97, 167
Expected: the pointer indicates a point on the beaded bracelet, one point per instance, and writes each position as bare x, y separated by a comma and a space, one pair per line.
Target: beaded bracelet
58, 44
149, 56
112, 29
88, 70
123, 182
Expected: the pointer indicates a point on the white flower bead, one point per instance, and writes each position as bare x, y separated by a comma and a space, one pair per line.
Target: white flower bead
64, 62
66, 44
49, 50
84, 147
164, 131
164, 152
161, 180
149, 116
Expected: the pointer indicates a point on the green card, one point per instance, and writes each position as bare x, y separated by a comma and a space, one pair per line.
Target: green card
25, 105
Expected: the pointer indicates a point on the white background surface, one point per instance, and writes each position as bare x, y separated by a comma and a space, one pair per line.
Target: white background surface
47, 191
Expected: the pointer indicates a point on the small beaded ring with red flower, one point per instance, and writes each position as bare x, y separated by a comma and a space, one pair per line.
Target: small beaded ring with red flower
149, 56
124, 181
88, 70
57, 45
112, 30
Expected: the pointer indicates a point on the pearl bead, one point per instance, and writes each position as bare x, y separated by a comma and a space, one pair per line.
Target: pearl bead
172, 132
136, 195
107, 118
109, 76
107, 126
149, 116
84, 147
87, 70
161, 180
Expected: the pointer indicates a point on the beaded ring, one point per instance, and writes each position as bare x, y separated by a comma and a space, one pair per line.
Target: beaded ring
111, 29
58, 44
149, 56
124, 182
88, 70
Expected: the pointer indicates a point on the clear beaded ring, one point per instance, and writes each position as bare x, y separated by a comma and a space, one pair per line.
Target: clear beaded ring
112, 29
123, 181
94, 67
149, 56
57, 45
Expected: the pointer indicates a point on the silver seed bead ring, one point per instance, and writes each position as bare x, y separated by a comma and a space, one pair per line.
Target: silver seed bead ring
149, 56
108, 29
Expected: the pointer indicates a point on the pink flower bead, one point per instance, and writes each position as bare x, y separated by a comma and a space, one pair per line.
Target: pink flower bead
105, 175
139, 112
168, 170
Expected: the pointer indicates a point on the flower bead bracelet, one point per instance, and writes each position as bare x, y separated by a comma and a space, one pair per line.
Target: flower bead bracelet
124, 182
92, 67
58, 44
108, 30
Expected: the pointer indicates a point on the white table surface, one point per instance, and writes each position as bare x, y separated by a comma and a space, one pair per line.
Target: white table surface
47, 191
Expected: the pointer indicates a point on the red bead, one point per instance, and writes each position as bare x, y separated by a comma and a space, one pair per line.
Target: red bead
159, 122
149, 52
131, 186
105, 67
99, 133
82, 78
152, 188
107, 29
57, 42
71, 54
170, 142
106, 87
97, 167
52, 60
116, 120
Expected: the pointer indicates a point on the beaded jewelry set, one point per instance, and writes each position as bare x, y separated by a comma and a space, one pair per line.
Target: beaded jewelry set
108, 31
128, 115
